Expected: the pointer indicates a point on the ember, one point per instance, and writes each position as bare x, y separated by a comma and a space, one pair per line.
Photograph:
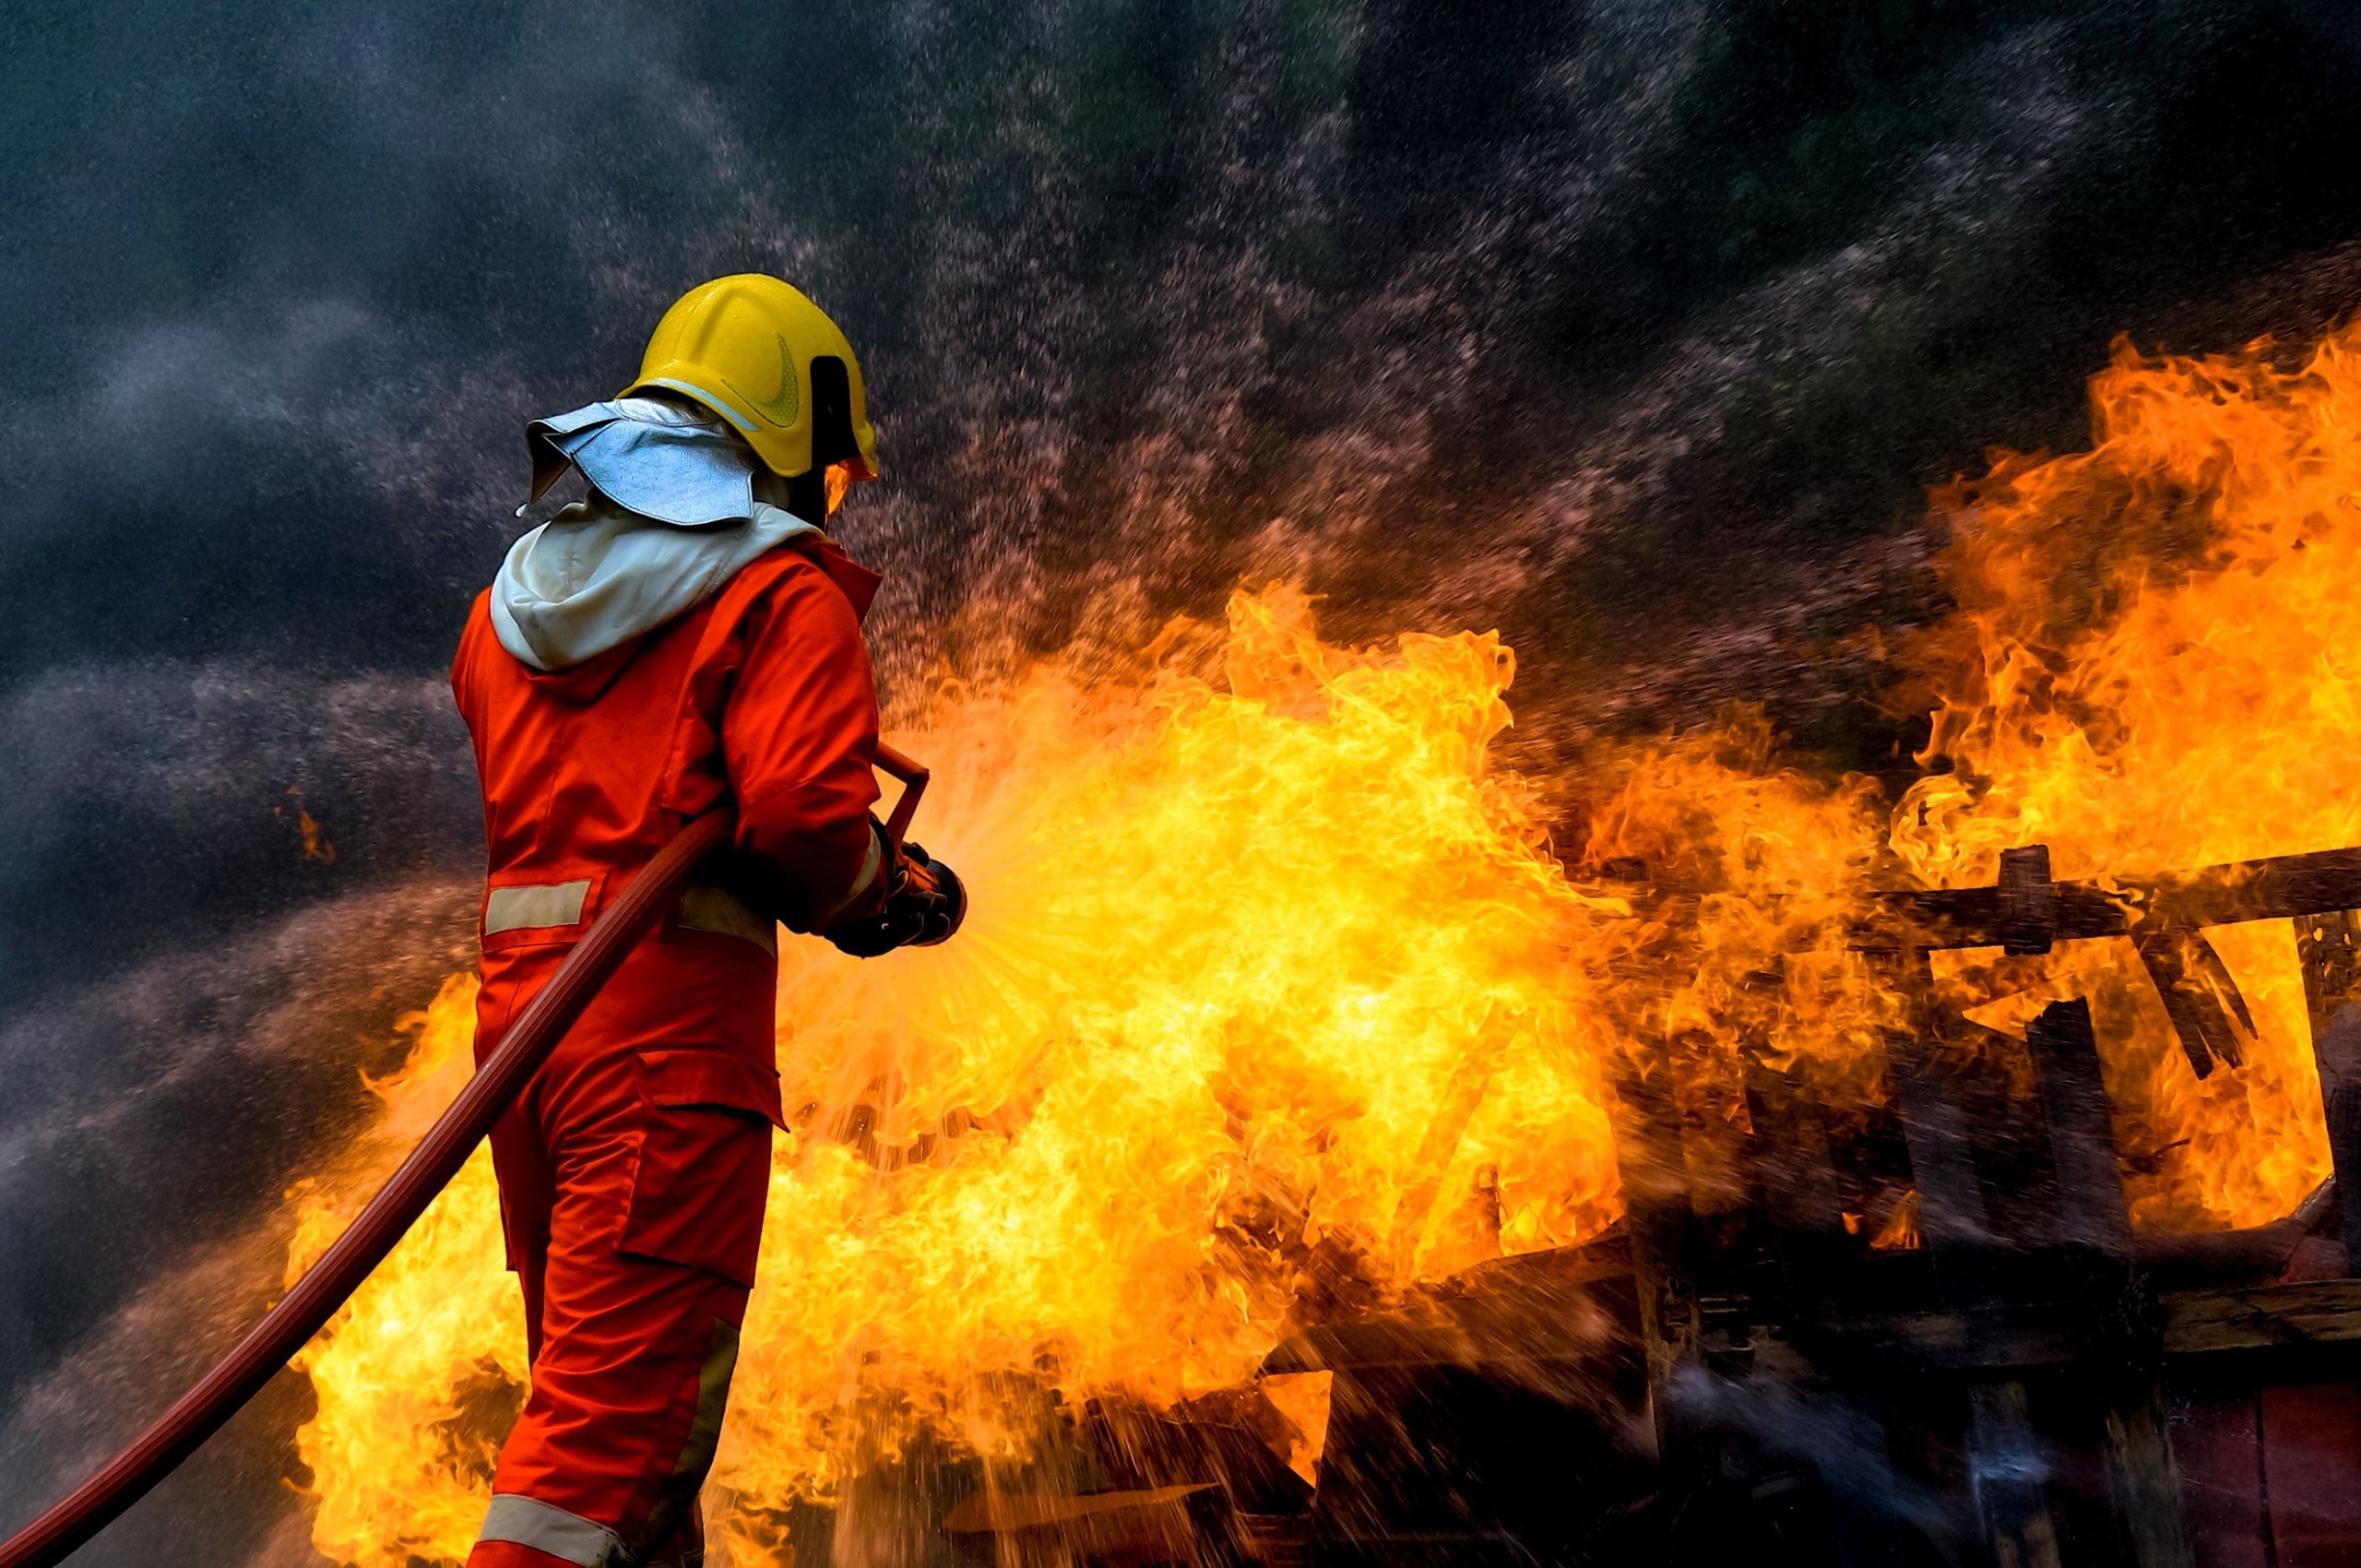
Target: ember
1284, 1043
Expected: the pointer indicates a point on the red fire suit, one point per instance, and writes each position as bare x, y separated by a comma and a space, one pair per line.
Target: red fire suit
633, 1170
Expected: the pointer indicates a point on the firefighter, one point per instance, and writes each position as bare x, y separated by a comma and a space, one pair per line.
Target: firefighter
686, 634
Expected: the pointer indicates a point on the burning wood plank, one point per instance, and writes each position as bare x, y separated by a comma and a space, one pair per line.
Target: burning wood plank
1112, 1529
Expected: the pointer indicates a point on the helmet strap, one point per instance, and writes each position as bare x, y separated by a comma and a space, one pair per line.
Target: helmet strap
807, 495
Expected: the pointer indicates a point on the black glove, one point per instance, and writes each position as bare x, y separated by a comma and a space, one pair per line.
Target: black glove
924, 904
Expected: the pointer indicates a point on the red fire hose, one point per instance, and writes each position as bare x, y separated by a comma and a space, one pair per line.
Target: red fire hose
285, 1329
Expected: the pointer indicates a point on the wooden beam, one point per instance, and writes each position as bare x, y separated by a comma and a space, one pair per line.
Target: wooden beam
2143, 1478
2277, 888
2143, 1475
2065, 1053
2007, 1460
2025, 1337
2324, 1311
1973, 1339
1658, 1220
2329, 948
1789, 1159
2007, 1464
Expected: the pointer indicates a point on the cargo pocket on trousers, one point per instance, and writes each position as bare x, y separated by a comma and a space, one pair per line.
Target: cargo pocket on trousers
704, 1160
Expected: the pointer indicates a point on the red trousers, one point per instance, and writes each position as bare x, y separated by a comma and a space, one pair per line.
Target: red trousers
633, 1174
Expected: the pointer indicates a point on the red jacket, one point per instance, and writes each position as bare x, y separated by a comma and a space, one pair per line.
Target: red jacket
762, 694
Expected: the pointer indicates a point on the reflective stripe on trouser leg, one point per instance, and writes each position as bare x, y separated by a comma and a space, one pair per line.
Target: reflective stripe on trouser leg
552, 1529
626, 1336
673, 1530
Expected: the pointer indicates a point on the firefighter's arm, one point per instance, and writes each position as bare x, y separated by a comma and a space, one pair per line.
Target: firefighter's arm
798, 735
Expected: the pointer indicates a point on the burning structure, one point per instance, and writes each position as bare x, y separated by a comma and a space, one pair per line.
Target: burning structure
1332, 1147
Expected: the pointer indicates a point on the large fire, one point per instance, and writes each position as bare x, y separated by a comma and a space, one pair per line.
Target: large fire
2156, 665
1268, 1006
1277, 999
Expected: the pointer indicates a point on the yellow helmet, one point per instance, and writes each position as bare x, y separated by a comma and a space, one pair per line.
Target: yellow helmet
744, 347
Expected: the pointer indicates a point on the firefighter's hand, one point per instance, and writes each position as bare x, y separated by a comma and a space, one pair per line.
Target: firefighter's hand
926, 905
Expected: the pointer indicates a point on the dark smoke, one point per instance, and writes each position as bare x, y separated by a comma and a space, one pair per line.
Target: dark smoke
1636, 329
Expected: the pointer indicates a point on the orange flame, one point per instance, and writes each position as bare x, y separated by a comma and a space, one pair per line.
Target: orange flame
1276, 1002
1266, 1010
2156, 666
419, 1376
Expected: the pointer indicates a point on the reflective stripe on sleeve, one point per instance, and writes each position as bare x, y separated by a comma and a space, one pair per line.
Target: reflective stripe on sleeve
516, 909
870, 865
546, 1528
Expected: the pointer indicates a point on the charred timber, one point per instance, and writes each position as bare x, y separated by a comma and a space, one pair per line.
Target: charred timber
2025, 912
